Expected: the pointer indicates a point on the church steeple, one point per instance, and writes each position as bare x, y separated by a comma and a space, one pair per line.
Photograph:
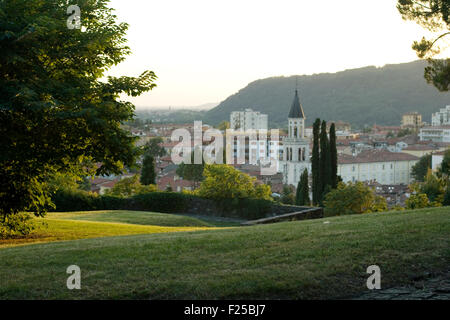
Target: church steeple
296, 108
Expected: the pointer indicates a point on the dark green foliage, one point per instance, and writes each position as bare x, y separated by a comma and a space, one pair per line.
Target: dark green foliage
244, 208
153, 148
287, 196
192, 172
165, 202
324, 161
148, 174
16, 225
445, 166
302, 196
420, 169
446, 201
76, 200
360, 96
54, 110
333, 157
432, 15
315, 165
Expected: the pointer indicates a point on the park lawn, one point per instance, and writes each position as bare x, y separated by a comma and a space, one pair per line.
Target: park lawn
132, 217
70, 225
311, 259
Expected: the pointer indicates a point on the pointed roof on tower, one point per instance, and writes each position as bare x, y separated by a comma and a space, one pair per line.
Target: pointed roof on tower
296, 108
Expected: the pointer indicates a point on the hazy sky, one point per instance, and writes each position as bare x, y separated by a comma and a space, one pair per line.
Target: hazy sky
205, 50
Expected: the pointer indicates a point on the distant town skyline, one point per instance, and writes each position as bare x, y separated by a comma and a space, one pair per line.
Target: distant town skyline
204, 51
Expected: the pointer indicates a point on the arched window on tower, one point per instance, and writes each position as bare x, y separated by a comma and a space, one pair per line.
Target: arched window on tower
290, 153
295, 132
300, 154
303, 154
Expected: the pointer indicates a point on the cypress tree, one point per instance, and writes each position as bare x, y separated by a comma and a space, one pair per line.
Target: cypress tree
324, 161
333, 156
148, 174
302, 198
315, 166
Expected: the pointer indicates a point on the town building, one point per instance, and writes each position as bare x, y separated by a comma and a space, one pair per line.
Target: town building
248, 120
435, 133
441, 118
412, 120
295, 145
382, 166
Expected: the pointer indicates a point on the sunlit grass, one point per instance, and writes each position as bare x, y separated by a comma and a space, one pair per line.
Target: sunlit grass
71, 225
311, 259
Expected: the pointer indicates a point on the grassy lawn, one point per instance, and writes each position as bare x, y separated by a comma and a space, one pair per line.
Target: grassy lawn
57, 226
289, 260
132, 217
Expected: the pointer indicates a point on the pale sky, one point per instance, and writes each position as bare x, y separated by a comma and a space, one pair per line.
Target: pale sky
206, 50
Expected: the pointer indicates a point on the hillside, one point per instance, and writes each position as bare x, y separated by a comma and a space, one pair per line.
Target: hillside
310, 259
360, 96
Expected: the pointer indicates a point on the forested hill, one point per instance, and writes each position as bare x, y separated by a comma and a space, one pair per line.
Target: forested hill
360, 96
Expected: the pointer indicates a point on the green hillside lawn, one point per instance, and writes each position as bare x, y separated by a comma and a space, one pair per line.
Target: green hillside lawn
145, 218
57, 226
301, 259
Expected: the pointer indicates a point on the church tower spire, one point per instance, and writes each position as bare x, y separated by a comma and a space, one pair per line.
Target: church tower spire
296, 108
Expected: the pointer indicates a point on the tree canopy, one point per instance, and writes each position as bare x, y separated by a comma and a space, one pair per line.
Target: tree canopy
54, 110
432, 15
222, 181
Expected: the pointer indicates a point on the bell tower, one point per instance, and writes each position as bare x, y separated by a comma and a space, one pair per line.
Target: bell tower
295, 145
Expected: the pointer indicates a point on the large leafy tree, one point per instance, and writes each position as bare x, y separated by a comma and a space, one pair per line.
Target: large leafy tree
432, 15
420, 169
54, 110
222, 181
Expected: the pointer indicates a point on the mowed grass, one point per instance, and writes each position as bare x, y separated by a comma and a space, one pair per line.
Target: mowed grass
132, 217
60, 226
313, 259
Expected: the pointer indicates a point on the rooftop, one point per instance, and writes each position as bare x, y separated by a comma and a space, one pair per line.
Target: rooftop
369, 156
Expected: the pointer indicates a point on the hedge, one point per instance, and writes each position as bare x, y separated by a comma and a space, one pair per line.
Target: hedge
166, 202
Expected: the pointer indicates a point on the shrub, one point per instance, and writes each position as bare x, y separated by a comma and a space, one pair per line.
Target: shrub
244, 208
446, 201
353, 198
417, 201
76, 200
168, 202
16, 225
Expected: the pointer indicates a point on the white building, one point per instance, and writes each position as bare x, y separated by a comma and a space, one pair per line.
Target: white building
382, 166
295, 146
436, 159
257, 149
435, 133
441, 118
248, 119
